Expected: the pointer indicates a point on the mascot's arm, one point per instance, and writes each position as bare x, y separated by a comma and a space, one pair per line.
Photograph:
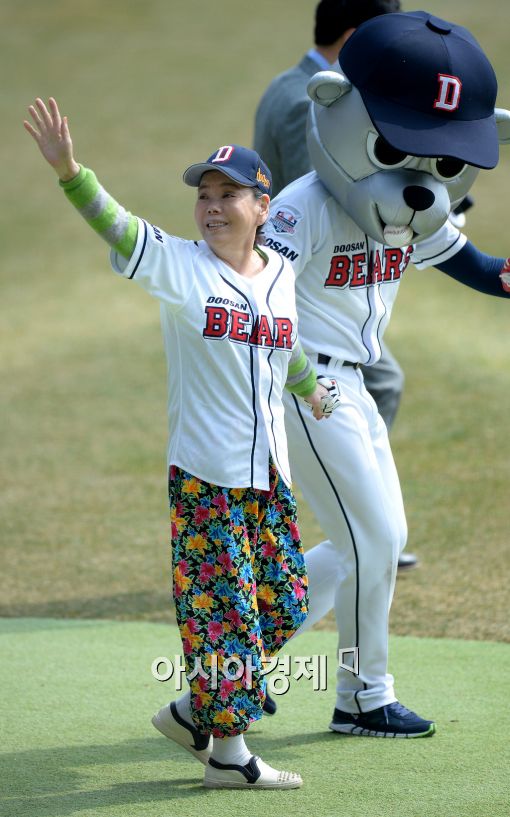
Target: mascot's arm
486, 273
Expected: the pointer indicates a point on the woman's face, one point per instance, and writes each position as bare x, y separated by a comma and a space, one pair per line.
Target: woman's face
228, 214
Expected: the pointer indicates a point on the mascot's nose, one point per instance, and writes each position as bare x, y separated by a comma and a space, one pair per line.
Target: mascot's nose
418, 198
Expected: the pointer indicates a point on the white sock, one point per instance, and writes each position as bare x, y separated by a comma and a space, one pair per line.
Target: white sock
231, 750
183, 705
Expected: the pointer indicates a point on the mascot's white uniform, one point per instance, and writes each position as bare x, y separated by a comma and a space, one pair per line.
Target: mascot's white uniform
396, 137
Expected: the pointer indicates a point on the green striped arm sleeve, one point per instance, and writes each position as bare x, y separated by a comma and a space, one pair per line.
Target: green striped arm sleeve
106, 216
301, 377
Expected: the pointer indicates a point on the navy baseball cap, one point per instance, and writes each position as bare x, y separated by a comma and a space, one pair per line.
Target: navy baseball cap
241, 164
427, 85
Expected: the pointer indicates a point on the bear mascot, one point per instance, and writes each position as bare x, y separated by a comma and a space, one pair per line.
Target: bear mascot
397, 135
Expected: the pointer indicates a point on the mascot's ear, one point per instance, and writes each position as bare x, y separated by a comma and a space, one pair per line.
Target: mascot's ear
326, 87
503, 125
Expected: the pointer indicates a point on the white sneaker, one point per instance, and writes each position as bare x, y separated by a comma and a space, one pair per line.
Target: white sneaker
172, 726
253, 775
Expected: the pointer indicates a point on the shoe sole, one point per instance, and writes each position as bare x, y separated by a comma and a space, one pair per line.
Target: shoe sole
252, 775
173, 731
359, 731
230, 784
407, 568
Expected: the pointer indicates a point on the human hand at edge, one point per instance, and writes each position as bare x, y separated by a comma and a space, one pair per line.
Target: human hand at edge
325, 399
51, 133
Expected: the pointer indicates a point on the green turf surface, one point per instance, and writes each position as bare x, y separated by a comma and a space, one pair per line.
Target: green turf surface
77, 740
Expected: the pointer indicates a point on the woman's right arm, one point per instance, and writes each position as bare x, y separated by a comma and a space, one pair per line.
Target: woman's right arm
108, 218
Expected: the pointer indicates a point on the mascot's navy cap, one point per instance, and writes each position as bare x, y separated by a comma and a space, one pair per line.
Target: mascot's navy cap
427, 85
243, 165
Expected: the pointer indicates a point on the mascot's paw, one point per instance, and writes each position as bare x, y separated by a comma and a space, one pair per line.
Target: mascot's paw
504, 276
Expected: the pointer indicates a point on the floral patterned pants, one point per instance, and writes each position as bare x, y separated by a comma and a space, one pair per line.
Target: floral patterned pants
240, 591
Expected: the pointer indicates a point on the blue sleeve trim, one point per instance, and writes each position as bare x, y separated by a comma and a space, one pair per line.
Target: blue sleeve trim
477, 270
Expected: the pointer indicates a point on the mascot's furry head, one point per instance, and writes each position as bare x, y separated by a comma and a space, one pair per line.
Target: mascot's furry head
399, 132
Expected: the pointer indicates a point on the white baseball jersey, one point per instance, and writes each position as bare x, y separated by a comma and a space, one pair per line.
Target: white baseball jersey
346, 297
228, 341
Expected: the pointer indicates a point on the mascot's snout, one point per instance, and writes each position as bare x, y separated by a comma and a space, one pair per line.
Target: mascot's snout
400, 206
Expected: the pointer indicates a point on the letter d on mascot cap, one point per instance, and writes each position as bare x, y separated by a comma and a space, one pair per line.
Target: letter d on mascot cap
427, 86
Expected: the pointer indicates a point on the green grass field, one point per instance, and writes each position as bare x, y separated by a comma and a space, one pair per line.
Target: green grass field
150, 88
82, 742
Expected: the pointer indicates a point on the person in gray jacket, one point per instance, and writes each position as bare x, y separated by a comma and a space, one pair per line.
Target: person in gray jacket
280, 138
280, 120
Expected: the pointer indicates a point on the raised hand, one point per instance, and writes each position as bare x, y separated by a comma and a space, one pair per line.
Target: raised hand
51, 132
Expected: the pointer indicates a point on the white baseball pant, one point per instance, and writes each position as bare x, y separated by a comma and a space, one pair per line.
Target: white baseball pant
345, 469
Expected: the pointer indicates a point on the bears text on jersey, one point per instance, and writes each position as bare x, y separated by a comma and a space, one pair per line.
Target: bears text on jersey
353, 271
239, 327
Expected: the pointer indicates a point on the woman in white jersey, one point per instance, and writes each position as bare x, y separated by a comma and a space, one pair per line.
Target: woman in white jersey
229, 326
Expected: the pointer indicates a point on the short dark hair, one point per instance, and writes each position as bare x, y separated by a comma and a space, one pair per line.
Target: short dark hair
334, 17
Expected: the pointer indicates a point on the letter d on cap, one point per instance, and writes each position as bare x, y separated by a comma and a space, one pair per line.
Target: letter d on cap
448, 97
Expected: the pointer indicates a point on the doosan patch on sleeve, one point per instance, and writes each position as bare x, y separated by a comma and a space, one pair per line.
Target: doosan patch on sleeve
285, 220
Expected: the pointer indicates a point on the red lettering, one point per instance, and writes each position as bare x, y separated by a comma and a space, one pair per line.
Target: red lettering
217, 322
238, 319
376, 268
392, 261
254, 333
283, 327
358, 277
234, 324
338, 275
261, 335
407, 257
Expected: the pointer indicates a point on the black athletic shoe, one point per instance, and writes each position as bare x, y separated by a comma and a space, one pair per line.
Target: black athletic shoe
390, 721
269, 706
407, 561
